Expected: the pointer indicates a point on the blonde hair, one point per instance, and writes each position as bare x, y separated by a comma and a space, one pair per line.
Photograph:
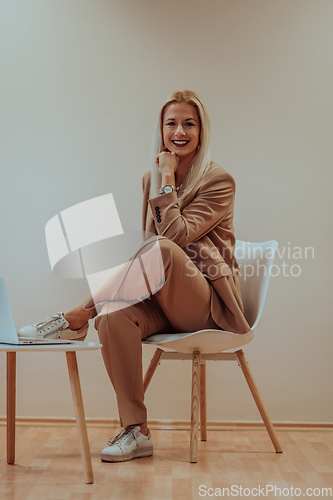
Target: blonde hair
200, 162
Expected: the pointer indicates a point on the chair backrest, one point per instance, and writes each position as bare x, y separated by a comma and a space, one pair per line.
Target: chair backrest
255, 261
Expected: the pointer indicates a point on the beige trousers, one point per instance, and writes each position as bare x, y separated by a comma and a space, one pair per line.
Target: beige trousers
181, 304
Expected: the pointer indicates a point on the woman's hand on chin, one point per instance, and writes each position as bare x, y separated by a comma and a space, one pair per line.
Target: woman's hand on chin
167, 162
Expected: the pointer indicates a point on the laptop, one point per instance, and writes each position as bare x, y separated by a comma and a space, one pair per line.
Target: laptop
8, 334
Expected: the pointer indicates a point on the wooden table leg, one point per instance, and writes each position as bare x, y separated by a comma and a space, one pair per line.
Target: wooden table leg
11, 399
79, 415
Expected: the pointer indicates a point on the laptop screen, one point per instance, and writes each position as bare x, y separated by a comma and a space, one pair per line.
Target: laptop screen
7, 327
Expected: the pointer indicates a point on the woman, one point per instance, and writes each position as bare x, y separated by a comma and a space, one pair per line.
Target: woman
188, 204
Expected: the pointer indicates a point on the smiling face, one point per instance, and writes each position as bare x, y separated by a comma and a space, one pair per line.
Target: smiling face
181, 128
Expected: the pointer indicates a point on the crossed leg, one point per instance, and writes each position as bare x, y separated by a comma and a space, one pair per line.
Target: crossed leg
182, 303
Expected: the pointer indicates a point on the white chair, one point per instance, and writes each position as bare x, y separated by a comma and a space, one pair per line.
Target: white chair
255, 260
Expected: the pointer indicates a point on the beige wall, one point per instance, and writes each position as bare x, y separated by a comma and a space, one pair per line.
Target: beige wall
81, 86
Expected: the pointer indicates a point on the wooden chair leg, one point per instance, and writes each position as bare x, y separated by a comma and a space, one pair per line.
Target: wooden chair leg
11, 400
151, 368
79, 415
257, 398
203, 404
195, 406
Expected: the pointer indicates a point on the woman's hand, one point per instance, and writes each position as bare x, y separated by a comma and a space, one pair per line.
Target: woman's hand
167, 163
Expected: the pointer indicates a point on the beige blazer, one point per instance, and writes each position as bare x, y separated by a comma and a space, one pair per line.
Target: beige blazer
203, 227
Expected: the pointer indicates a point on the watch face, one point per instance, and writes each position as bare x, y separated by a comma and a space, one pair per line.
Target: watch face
168, 189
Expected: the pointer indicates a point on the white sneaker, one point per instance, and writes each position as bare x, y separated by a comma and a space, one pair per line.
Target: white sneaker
55, 327
129, 443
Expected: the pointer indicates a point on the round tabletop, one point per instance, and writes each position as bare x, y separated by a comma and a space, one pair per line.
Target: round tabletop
73, 346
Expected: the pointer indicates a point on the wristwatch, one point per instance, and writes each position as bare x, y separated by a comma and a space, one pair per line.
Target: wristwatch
166, 189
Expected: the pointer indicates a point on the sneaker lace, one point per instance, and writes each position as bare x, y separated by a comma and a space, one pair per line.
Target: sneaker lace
123, 436
48, 321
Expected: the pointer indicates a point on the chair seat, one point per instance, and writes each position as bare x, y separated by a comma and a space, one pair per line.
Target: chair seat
205, 341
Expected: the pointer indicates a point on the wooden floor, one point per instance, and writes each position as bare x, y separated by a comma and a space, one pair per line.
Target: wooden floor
48, 465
